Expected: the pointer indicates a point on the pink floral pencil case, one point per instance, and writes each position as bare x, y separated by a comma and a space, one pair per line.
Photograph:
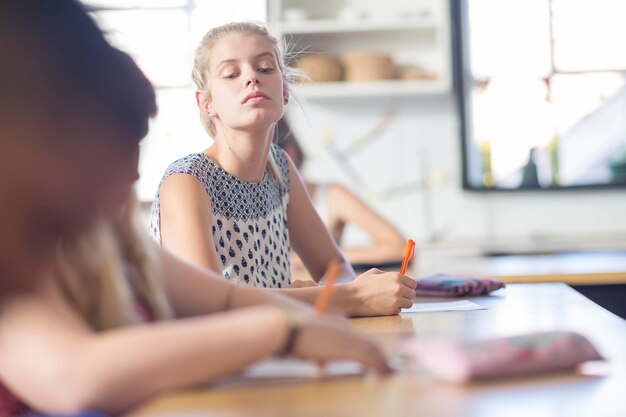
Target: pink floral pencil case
534, 353
455, 285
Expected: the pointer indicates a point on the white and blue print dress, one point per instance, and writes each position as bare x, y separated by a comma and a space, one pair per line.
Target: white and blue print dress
249, 220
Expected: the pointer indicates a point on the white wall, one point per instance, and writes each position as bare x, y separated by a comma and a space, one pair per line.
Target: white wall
426, 128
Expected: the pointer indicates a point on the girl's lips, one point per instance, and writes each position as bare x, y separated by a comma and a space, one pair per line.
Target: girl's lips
255, 97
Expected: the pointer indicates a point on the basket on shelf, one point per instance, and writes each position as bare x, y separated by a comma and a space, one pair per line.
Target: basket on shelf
320, 67
368, 66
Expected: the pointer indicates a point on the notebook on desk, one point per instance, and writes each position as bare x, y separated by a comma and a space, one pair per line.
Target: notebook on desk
459, 361
455, 285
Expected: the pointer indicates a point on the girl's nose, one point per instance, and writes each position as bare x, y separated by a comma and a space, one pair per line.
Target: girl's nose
253, 79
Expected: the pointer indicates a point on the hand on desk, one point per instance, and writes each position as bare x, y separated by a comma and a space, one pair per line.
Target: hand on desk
378, 293
330, 338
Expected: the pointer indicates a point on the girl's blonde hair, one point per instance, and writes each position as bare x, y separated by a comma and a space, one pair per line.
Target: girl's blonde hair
105, 275
201, 64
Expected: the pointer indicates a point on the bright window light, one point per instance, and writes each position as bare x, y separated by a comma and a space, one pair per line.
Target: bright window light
161, 36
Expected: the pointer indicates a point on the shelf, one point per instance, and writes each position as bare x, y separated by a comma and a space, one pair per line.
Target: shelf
411, 34
346, 26
370, 89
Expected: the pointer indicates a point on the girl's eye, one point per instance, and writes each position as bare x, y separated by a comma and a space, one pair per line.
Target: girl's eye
231, 75
266, 70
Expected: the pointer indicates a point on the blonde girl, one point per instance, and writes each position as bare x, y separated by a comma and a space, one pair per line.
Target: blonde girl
239, 206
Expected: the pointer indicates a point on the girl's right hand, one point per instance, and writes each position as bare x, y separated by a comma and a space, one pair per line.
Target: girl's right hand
378, 293
325, 339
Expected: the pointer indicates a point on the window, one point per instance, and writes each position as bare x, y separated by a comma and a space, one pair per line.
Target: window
542, 93
161, 36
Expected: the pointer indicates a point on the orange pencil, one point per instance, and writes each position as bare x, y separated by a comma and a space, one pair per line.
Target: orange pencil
323, 299
408, 253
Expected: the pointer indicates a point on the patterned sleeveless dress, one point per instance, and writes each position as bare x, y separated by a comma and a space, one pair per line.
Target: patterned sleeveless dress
249, 219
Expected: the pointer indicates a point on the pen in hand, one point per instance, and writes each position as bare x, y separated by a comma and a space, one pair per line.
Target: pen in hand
323, 299
408, 254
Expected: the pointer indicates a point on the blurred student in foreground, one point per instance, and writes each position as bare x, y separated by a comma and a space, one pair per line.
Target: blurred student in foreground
92, 334
67, 126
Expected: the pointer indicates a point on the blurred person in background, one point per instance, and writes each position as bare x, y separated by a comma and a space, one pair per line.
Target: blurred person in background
339, 207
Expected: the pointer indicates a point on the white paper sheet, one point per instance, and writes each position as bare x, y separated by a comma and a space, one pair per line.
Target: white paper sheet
295, 368
280, 371
461, 305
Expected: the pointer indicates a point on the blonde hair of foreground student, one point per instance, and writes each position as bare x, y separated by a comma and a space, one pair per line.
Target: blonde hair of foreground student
232, 62
89, 269
53, 358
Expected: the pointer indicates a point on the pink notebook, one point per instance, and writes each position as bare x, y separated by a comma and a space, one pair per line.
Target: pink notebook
535, 353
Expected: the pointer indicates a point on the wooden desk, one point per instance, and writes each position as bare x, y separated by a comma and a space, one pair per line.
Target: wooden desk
518, 308
574, 268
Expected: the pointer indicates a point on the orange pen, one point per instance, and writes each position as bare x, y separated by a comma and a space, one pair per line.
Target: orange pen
408, 254
323, 299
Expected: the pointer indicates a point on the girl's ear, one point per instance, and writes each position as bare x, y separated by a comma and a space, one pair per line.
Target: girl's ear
203, 102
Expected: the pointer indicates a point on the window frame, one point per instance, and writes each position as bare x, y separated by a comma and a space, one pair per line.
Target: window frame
463, 83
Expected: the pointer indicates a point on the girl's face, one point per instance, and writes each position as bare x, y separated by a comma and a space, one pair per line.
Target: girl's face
246, 88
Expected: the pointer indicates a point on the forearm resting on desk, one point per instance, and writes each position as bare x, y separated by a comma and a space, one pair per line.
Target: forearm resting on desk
58, 365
